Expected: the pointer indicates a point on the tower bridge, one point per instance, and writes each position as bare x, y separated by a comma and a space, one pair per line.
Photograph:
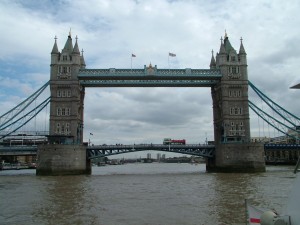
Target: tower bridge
227, 77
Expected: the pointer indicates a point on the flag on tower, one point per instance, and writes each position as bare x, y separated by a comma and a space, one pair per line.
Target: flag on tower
172, 54
133, 55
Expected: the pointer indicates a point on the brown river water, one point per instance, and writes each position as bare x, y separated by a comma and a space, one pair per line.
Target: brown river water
141, 194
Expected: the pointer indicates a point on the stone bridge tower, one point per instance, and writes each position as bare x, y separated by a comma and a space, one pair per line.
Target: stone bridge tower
234, 151
65, 153
67, 95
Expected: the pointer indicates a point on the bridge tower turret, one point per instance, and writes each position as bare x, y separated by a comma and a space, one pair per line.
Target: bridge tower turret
212, 64
234, 152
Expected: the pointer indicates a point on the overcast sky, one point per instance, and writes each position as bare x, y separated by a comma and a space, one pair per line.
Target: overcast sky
110, 31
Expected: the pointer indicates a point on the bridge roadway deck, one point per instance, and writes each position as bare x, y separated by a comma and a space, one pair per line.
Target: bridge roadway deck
107, 150
18, 150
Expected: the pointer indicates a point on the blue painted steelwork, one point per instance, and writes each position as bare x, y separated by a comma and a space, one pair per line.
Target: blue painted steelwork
273, 121
98, 151
288, 117
12, 121
284, 114
14, 112
18, 150
7, 130
149, 77
107, 150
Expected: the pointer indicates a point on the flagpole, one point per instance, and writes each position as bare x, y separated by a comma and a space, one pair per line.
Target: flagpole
131, 62
169, 60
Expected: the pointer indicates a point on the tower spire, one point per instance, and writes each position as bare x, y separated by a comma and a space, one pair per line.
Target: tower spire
76, 48
222, 47
212, 61
82, 61
242, 49
55, 48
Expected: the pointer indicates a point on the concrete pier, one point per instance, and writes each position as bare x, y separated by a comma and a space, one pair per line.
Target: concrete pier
59, 159
237, 158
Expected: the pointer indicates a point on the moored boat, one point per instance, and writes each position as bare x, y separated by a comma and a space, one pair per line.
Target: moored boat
290, 216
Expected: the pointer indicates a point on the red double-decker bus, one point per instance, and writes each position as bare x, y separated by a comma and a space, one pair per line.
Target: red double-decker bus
169, 141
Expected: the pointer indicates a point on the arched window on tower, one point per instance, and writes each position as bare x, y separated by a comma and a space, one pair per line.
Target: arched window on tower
58, 128
236, 111
58, 111
67, 130
62, 128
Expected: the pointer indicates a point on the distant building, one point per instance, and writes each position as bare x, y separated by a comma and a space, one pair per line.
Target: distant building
271, 140
158, 157
293, 133
260, 139
148, 155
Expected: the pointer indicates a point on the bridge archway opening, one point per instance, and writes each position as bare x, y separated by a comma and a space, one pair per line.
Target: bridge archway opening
148, 115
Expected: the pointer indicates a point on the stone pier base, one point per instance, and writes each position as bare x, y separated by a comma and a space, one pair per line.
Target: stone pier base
58, 159
237, 158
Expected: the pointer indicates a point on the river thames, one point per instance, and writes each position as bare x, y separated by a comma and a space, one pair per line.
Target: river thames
140, 194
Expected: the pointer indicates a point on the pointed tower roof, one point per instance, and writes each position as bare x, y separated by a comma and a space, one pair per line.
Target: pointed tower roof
55, 48
68, 46
227, 45
82, 62
212, 61
76, 49
242, 49
222, 47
